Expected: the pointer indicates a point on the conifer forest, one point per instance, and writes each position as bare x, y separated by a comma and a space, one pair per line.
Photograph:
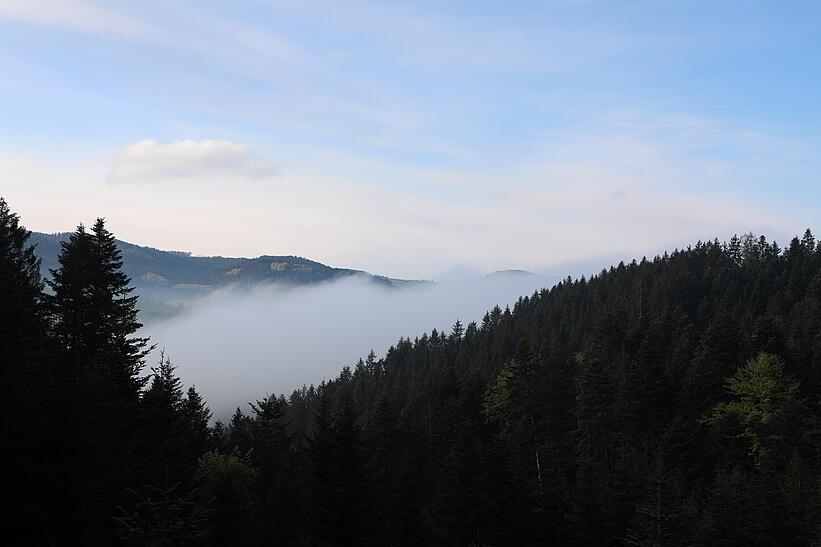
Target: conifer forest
672, 400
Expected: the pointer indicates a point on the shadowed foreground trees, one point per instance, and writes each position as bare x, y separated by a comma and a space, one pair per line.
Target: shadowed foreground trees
672, 401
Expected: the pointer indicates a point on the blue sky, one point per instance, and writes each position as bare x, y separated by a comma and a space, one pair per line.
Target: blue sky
406, 137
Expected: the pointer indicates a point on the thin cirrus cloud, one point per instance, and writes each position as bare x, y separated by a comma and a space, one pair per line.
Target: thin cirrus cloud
150, 161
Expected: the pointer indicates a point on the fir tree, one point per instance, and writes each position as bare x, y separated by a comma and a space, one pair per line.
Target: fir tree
164, 427
195, 416
94, 320
278, 478
336, 464
26, 388
163, 517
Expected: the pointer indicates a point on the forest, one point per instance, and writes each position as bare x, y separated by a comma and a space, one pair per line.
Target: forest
665, 401
180, 274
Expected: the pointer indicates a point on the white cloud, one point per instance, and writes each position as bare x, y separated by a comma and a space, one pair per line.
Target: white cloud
544, 209
149, 161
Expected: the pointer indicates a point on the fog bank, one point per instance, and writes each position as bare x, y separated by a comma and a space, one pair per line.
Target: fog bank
238, 345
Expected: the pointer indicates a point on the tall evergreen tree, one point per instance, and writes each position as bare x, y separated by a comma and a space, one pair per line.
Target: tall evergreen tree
337, 473
21, 310
94, 318
196, 416
597, 434
278, 475
163, 436
26, 388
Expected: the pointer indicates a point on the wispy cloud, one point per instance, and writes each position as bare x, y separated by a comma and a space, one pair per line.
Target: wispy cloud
76, 15
150, 161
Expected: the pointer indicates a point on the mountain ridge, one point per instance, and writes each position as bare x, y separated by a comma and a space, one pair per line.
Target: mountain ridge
161, 274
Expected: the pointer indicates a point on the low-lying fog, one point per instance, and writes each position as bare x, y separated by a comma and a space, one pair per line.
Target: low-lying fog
238, 345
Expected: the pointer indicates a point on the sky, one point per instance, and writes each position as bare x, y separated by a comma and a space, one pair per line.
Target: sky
412, 138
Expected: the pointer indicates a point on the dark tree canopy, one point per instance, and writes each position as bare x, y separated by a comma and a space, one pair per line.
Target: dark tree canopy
672, 401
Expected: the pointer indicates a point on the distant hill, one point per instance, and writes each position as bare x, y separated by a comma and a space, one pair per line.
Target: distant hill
173, 275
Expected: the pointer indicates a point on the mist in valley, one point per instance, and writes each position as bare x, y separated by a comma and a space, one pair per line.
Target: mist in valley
237, 345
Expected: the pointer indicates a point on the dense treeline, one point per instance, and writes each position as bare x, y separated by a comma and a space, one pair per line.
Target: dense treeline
672, 401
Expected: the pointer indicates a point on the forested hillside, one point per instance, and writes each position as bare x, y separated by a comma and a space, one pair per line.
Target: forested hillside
167, 281
174, 273
672, 401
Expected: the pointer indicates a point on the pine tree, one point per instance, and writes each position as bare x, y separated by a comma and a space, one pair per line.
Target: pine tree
730, 515
386, 470
94, 320
371, 364
278, 475
596, 506
21, 310
321, 446
70, 304
350, 485
163, 517
718, 357
239, 432
515, 401
165, 390
116, 309
808, 241
195, 416
338, 483
26, 387
665, 514
219, 437
457, 331
95, 314
163, 437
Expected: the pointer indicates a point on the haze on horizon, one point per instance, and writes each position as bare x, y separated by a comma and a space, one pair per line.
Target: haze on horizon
404, 139
238, 345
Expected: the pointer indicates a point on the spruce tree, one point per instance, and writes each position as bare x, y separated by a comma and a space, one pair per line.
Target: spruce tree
163, 516
94, 312
338, 483
163, 436
116, 308
21, 310
597, 433
239, 432
95, 319
386, 474
70, 304
195, 416
278, 477
26, 387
